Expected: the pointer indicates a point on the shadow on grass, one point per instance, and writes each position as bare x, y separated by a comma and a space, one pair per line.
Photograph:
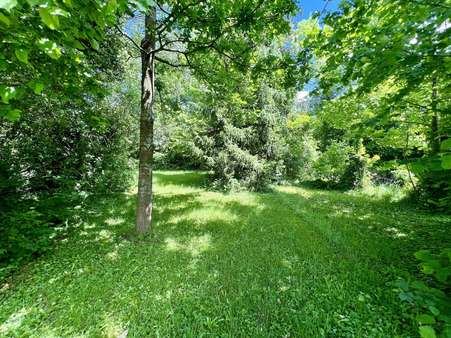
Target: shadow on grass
292, 262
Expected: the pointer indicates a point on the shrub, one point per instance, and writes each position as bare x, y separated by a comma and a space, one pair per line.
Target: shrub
23, 234
332, 164
434, 186
430, 298
301, 155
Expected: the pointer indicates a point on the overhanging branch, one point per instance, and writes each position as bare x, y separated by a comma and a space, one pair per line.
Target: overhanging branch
130, 39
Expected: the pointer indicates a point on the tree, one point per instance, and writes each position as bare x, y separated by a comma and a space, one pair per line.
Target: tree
52, 47
368, 45
209, 37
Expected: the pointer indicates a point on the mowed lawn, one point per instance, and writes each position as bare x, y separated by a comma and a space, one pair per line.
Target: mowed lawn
293, 262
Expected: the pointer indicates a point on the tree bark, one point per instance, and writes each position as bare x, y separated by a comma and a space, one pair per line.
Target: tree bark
435, 139
146, 147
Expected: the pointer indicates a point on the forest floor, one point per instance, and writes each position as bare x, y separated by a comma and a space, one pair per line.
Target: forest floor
293, 262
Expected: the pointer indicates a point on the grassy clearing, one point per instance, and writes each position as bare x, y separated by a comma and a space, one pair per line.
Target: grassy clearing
294, 262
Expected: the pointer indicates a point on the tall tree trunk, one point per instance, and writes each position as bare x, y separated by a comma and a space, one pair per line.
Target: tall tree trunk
435, 139
144, 207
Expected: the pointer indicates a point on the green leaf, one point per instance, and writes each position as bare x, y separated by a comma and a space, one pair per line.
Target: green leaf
36, 86
7, 93
427, 332
446, 145
434, 310
59, 12
423, 255
50, 48
94, 44
33, 3
13, 115
8, 4
111, 6
427, 269
443, 274
446, 162
49, 18
22, 55
5, 19
425, 319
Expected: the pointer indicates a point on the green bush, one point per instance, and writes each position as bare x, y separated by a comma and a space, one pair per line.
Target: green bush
332, 164
23, 234
434, 186
301, 151
429, 298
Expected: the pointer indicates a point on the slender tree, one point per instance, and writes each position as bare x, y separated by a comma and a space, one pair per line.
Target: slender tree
144, 207
208, 36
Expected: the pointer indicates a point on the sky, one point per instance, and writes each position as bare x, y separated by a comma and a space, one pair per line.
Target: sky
308, 7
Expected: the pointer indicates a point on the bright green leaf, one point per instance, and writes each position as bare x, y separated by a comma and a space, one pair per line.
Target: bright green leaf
22, 55
425, 319
446, 161
434, 310
50, 48
5, 19
446, 145
95, 44
427, 332
7, 93
59, 12
13, 114
36, 86
48, 18
33, 3
111, 6
8, 4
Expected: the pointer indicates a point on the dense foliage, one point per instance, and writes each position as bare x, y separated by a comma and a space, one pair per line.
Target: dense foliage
348, 109
387, 65
65, 144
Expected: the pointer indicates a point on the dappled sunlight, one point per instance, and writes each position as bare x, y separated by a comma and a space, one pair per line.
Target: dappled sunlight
395, 232
295, 190
175, 190
89, 226
307, 253
14, 321
105, 235
194, 246
210, 198
204, 215
112, 327
112, 221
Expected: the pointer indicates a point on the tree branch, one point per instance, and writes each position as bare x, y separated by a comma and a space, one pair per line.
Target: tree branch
178, 65
130, 39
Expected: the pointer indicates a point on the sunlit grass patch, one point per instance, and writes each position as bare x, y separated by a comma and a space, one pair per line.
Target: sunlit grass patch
293, 262
194, 245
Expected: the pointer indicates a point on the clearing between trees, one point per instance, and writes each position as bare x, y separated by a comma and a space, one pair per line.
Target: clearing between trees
294, 261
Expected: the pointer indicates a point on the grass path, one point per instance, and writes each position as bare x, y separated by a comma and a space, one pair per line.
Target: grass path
294, 262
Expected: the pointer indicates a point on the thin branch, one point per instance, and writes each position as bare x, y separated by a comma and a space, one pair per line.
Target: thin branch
176, 65
162, 9
407, 162
129, 38
164, 24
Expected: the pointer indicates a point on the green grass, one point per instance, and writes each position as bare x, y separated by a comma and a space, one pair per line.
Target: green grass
294, 262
